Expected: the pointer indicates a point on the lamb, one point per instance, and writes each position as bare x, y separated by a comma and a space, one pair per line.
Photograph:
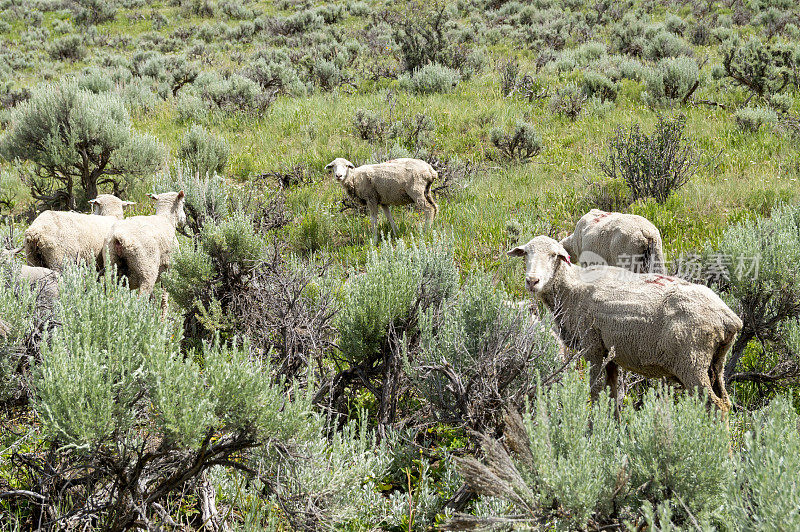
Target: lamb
56, 238
616, 239
45, 279
657, 326
141, 247
395, 182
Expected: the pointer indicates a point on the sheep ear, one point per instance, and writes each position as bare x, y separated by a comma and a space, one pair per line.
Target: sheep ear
128, 203
517, 252
152, 197
328, 166
181, 195
92, 201
350, 165
562, 254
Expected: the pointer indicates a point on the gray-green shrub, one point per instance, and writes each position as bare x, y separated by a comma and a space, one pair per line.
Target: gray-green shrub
572, 462
765, 495
203, 152
521, 144
672, 81
78, 121
567, 101
68, 47
597, 85
430, 79
760, 284
751, 119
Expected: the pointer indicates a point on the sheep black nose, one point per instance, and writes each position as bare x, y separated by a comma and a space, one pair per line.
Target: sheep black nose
531, 282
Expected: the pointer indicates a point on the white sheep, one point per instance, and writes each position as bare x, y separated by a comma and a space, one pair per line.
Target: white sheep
657, 326
44, 279
395, 182
625, 240
141, 247
56, 238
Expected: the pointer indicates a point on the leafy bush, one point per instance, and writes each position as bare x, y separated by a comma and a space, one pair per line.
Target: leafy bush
95, 11
430, 79
652, 166
757, 278
661, 441
203, 152
520, 145
568, 101
627, 35
597, 85
414, 132
610, 195
675, 24
234, 93
477, 352
665, 44
78, 122
19, 320
756, 66
509, 72
369, 125
764, 493
274, 71
572, 466
673, 80
396, 280
751, 119
69, 47
190, 108
137, 410
699, 35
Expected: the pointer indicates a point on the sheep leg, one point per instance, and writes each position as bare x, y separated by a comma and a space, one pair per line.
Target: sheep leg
388, 213
373, 219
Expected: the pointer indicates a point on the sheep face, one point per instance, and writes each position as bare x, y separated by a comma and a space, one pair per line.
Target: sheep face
7, 254
171, 204
109, 205
543, 256
341, 167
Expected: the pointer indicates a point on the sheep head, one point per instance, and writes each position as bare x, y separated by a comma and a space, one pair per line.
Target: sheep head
7, 254
109, 205
341, 167
171, 204
543, 257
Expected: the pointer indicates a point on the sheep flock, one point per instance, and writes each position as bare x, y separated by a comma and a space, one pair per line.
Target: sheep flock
613, 305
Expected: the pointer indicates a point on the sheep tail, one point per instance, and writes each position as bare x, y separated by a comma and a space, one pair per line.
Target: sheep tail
429, 195
653, 260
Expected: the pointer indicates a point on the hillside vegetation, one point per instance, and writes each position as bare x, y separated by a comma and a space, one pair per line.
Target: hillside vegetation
306, 378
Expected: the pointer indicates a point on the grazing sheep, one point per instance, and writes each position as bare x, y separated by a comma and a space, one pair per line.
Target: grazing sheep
56, 238
395, 182
45, 279
616, 239
657, 326
141, 246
